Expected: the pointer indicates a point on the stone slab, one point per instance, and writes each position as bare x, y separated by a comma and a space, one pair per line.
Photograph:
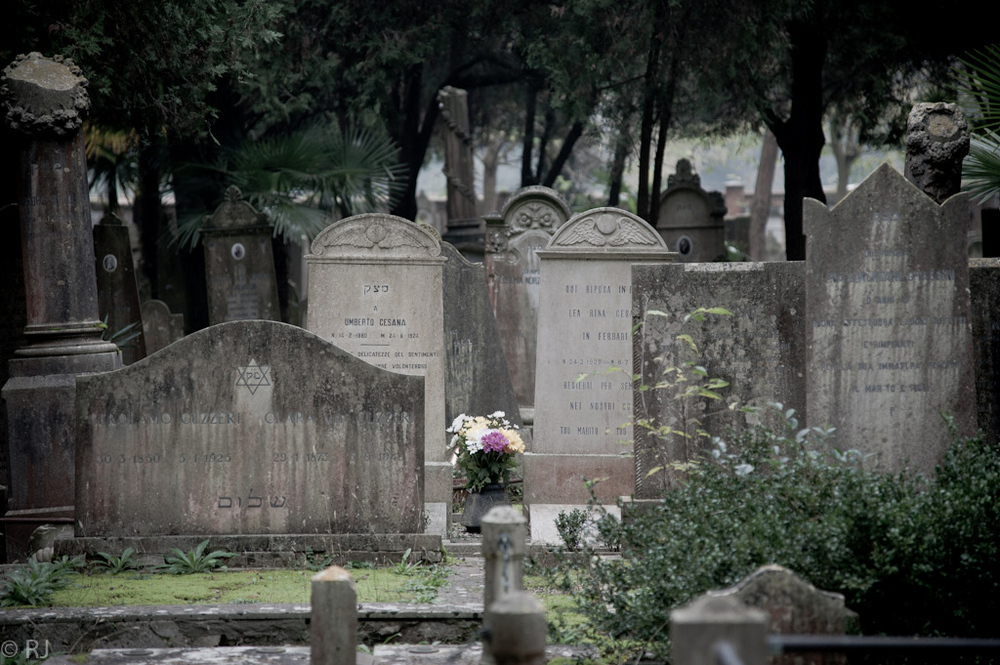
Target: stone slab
759, 350
375, 290
889, 328
117, 292
249, 427
477, 380
239, 262
984, 290
513, 238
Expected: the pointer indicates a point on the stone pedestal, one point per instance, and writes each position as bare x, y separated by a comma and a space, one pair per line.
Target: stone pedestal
44, 101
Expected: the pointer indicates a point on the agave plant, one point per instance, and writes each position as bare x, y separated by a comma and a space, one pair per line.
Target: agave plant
300, 179
979, 82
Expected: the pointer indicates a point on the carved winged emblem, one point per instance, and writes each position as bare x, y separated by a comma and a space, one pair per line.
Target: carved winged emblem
606, 229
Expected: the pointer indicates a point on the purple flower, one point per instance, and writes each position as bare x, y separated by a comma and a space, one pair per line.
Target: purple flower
494, 442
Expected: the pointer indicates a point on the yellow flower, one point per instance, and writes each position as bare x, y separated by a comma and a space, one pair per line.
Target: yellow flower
514, 442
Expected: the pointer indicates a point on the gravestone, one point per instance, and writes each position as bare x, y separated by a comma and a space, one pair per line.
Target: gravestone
793, 607
160, 327
117, 293
889, 333
45, 102
249, 427
691, 219
759, 351
984, 288
513, 238
375, 290
239, 262
583, 387
477, 380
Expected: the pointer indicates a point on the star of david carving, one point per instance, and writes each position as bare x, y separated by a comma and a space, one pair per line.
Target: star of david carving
253, 376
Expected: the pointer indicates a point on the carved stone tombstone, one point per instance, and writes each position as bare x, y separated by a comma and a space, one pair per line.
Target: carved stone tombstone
513, 238
160, 327
889, 328
477, 379
239, 262
249, 427
758, 350
375, 290
691, 219
583, 387
117, 293
45, 102
793, 607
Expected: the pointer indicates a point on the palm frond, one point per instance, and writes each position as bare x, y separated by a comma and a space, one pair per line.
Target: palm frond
981, 169
979, 79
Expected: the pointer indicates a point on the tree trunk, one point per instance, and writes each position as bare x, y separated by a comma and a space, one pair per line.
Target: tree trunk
760, 208
413, 138
801, 136
148, 214
564, 152
531, 104
617, 171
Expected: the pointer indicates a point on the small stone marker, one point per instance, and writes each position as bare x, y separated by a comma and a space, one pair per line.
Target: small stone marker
333, 629
583, 388
504, 530
793, 607
698, 630
513, 238
516, 631
759, 350
375, 290
117, 293
239, 262
889, 330
691, 219
160, 327
249, 427
477, 380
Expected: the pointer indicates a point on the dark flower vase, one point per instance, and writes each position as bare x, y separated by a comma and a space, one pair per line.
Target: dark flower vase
479, 503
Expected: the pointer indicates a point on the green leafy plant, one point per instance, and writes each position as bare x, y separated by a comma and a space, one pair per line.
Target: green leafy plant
34, 583
316, 561
116, 564
124, 337
979, 83
197, 561
571, 527
912, 555
404, 566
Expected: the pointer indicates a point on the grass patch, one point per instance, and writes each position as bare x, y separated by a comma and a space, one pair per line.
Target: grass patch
234, 586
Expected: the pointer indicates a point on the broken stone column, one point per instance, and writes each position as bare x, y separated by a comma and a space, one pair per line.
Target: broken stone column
333, 625
516, 631
937, 140
45, 101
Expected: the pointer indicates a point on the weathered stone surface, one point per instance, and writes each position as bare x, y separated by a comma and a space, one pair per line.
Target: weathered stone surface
937, 140
160, 328
249, 427
117, 293
583, 388
513, 238
239, 262
477, 380
690, 219
984, 288
375, 290
45, 99
888, 321
759, 350
793, 607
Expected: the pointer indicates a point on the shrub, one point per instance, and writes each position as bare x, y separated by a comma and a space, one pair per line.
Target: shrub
911, 555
